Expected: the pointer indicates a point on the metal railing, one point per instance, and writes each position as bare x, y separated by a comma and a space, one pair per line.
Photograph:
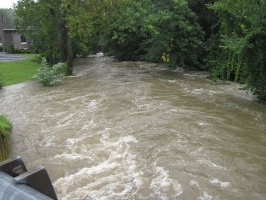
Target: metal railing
17, 183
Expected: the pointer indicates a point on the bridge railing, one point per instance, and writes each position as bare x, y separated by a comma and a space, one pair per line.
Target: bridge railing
17, 183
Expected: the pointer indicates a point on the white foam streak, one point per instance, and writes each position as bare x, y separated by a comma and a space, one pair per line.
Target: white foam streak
162, 184
205, 196
220, 183
210, 163
118, 175
84, 174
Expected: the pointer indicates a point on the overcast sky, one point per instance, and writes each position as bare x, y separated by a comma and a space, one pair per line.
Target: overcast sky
7, 3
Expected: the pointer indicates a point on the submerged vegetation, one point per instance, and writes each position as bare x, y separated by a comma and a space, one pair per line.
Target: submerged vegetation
239, 52
5, 128
50, 76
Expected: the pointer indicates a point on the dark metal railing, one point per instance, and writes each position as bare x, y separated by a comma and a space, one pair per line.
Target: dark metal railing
17, 183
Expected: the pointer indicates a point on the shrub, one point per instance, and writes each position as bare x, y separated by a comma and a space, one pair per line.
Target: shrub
5, 128
50, 76
10, 48
1, 81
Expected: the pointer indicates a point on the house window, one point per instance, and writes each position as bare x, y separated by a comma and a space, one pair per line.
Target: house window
23, 39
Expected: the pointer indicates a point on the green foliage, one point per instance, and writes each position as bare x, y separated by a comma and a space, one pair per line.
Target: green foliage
148, 29
239, 50
9, 17
50, 76
42, 28
10, 48
1, 81
177, 34
62, 28
127, 32
5, 127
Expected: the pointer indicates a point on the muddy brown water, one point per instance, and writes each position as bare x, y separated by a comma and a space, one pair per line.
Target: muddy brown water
133, 130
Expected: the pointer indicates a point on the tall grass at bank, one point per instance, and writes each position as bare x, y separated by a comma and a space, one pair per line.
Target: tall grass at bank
5, 128
19, 71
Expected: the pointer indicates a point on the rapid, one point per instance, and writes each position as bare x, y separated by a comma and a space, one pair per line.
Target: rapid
135, 130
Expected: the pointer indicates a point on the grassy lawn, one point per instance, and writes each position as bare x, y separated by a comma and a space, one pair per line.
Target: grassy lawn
19, 71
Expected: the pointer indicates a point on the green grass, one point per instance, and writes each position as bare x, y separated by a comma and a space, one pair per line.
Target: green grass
19, 71
5, 128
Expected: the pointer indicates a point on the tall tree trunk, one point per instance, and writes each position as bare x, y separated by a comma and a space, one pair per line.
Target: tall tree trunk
64, 44
70, 57
60, 27
51, 56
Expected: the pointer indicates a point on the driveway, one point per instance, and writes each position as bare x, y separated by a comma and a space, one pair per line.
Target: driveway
5, 57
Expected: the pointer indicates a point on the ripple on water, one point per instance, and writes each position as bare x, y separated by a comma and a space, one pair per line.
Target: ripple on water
136, 130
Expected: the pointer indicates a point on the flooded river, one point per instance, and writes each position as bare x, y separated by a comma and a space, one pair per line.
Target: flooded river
133, 130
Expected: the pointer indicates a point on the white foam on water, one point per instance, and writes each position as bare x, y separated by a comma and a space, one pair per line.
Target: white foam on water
71, 142
210, 163
89, 126
194, 183
202, 123
162, 185
205, 196
65, 121
65, 184
118, 176
172, 81
197, 91
93, 104
50, 141
72, 156
215, 92
220, 183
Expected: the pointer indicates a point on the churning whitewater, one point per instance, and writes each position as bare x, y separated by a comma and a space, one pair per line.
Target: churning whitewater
135, 130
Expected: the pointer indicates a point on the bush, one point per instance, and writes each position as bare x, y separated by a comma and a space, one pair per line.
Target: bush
1, 81
50, 76
10, 49
5, 128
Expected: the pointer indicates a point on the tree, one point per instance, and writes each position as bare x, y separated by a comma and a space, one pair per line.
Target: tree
164, 30
240, 51
64, 26
127, 31
39, 21
9, 17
